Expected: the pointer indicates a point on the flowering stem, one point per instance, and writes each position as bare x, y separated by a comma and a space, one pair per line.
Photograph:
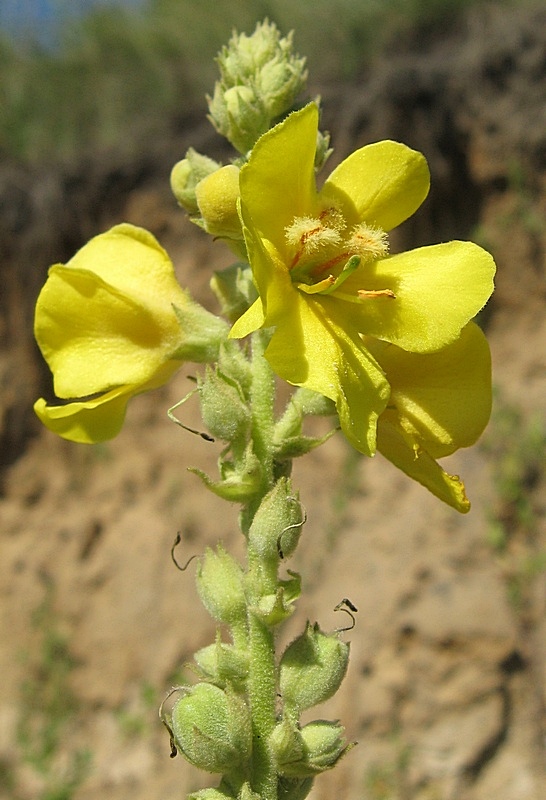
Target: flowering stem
262, 400
261, 581
261, 694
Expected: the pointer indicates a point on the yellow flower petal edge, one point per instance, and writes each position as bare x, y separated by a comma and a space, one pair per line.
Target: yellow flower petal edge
385, 182
86, 421
444, 397
100, 418
421, 467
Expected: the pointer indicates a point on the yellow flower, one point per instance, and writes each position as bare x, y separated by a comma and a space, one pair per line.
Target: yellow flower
439, 402
111, 323
326, 281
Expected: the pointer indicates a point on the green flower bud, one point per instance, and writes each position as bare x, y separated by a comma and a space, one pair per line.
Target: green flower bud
324, 745
185, 176
279, 82
312, 668
223, 664
323, 151
233, 364
217, 196
220, 585
212, 728
224, 411
277, 524
286, 743
303, 752
248, 119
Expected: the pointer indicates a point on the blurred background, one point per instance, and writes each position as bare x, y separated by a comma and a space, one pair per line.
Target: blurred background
446, 693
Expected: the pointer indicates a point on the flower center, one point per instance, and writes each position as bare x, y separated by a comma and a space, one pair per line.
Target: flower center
325, 252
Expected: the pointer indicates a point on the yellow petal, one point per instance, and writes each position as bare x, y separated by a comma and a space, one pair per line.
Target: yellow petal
420, 466
311, 347
106, 318
278, 183
248, 322
95, 337
385, 183
444, 397
437, 290
87, 421
130, 259
100, 418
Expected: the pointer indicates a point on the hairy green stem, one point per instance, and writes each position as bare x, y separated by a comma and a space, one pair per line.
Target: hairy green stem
262, 689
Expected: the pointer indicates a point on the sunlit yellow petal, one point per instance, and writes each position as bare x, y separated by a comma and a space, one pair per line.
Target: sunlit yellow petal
312, 348
445, 396
420, 466
248, 322
95, 337
100, 418
437, 290
130, 259
106, 318
278, 183
385, 183
86, 421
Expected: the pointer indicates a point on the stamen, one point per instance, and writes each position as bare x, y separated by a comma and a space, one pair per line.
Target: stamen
311, 234
365, 294
368, 242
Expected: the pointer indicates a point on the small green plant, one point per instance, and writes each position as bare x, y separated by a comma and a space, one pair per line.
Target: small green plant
516, 446
388, 780
49, 708
135, 721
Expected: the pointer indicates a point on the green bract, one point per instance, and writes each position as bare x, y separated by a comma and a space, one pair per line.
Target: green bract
331, 291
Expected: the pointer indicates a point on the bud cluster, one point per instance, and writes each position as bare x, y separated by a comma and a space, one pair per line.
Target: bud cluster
260, 78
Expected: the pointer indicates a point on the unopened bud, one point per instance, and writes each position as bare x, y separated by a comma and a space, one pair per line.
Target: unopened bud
312, 668
224, 411
276, 527
260, 79
216, 197
185, 176
302, 752
220, 585
223, 664
212, 728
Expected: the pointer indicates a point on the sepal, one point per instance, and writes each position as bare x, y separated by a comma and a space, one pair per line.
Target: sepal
223, 407
203, 333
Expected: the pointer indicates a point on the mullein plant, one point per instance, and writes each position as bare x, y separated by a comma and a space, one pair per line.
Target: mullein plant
382, 344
